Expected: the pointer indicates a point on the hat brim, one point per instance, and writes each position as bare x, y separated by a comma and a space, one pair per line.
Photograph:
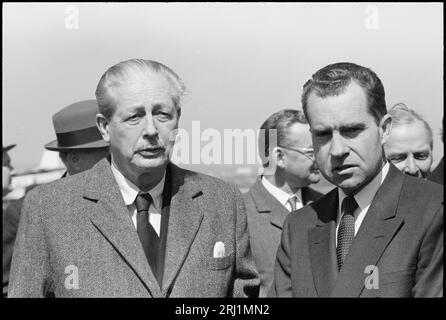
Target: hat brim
53, 146
7, 148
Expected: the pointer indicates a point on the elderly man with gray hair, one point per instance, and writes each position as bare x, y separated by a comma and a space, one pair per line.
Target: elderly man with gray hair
409, 146
135, 225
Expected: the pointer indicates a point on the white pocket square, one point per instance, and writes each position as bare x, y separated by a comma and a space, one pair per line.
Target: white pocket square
219, 249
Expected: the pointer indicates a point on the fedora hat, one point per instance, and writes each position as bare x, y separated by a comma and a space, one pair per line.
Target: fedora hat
75, 127
7, 148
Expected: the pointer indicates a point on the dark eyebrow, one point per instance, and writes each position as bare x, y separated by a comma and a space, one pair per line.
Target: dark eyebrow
353, 125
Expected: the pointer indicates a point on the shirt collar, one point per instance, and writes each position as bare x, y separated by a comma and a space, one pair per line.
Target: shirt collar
129, 190
279, 194
365, 196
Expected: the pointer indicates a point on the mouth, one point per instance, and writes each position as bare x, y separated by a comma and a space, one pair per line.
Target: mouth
150, 151
344, 169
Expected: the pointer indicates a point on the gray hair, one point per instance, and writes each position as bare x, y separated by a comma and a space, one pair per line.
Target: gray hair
402, 115
126, 72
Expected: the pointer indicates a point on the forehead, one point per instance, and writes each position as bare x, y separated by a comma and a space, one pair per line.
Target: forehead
333, 111
409, 137
298, 134
147, 90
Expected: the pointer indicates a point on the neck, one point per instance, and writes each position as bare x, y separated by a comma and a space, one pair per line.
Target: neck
282, 183
148, 180
145, 180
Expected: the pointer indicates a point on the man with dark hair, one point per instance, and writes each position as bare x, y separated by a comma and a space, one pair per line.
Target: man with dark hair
289, 168
410, 144
380, 232
135, 225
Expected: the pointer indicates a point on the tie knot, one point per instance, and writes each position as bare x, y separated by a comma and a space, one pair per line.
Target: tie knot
292, 201
349, 205
143, 201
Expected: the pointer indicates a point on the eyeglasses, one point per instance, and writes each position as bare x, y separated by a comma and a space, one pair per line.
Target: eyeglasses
307, 152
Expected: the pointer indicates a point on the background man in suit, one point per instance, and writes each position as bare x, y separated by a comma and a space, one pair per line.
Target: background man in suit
289, 165
437, 174
6, 169
410, 144
379, 233
80, 147
135, 225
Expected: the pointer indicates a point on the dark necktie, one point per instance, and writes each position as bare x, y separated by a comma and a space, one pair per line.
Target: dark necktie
148, 236
346, 231
292, 201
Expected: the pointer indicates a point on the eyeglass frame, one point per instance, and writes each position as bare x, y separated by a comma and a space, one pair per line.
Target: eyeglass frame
302, 151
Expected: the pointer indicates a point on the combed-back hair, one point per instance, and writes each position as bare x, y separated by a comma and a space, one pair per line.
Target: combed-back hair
130, 71
333, 79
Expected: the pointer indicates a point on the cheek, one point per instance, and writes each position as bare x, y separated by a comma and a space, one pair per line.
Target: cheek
424, 165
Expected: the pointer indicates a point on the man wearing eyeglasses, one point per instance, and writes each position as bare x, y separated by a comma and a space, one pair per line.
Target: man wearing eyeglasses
286, 151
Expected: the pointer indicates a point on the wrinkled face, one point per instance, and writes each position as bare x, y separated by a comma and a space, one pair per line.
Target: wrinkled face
346, 138
6, 172
409, 149
300, 170
139, 131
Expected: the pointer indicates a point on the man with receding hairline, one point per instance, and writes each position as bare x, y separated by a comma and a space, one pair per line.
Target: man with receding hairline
410, 144
135, 225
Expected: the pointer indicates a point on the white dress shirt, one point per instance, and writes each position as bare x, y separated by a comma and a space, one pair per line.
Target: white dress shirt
129, 192
281, 195
363, 199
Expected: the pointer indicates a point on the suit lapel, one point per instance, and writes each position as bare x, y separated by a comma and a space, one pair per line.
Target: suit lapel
265, 202
186, 214
111, 217
322, 246
377, 230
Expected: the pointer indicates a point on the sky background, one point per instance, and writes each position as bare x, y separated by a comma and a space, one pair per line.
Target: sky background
240, 61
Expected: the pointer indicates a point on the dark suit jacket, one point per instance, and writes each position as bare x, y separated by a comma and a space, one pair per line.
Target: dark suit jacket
11, 218
265, 219
401, 234
437, 175
76, 239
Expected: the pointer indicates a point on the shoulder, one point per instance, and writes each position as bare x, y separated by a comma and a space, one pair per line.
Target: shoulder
208, 183
419, 195
319, 210
422, 189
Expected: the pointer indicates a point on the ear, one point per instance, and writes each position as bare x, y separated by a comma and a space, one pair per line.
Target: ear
277, 156
102, 124
385, 127
73, 159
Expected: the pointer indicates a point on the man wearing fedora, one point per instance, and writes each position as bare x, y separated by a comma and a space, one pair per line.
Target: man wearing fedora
79, 142
80, 146
135, 225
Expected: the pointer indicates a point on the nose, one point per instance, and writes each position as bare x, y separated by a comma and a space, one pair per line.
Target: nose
410, 167
338, 148
150, 128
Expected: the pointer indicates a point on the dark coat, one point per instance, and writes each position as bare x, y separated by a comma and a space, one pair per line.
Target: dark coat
401, 235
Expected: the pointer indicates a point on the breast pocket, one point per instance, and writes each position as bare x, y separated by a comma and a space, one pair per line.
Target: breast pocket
219, 263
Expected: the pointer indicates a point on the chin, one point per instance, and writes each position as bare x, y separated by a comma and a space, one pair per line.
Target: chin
152, 163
